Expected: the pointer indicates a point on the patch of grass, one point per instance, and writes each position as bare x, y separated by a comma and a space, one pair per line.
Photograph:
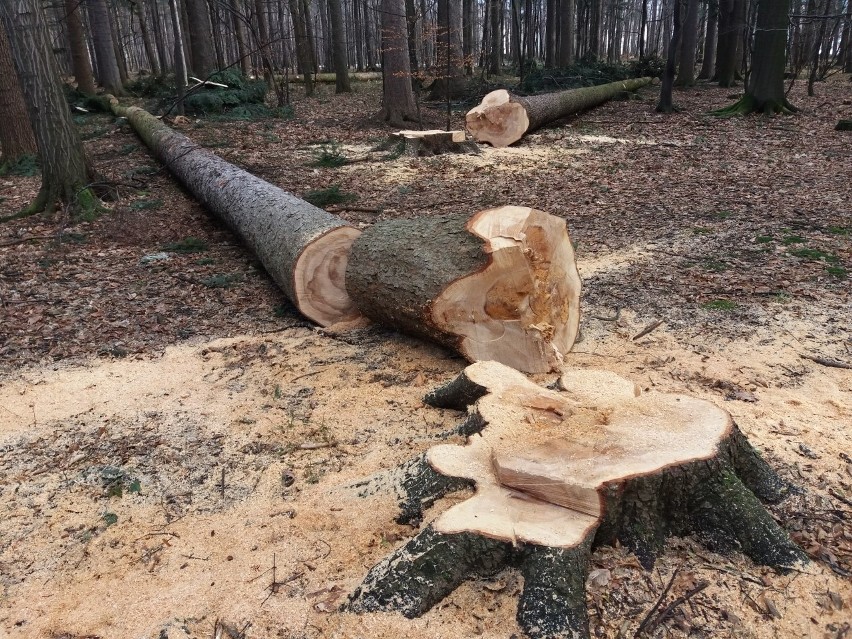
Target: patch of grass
142, 170
222, 280
127, 149
329, 196
110, 519
25, 166
330, 156
815, 254
782, 297
96, 132
714, 265
840, 230
281, 310
205, 261
701, 230
719, 305
145, 205
787, 240
722, 215
764, 239
186, 245
837, 271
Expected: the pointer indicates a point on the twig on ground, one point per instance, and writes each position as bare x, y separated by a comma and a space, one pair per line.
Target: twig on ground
666, 612
657, 604
26, 238
826, 361
614, 318
647, 330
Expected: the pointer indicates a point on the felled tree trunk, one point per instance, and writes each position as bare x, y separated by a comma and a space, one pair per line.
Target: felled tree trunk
500, 285
304, 248
558, 472
502, 119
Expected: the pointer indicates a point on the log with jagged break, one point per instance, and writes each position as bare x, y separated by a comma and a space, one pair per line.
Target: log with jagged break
560, 471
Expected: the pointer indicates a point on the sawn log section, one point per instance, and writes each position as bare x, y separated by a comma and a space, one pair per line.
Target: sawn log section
502, 118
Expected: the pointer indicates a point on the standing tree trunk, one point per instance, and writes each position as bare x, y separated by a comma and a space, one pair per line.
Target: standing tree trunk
708, 63
495, 42
566, 32
200, 38
109, 76
238, 16
16, 134
64, 167
179, 54
665, 104
448, 40
730, 36
502, 119
304, 54
338, 35
398, 105
81, 67
468, 7
688, 46
765, 91
138, 9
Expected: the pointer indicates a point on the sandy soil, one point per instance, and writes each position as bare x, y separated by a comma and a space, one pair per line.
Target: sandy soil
205, 488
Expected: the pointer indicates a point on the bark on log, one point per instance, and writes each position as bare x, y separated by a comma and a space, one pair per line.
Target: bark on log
559, 472
358, 76
501, 285
502, 118
304, 248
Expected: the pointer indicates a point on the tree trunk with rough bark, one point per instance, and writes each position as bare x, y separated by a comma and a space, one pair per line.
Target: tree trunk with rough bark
303, 248
16, 134
688, 46
495, 41
238, 16
81, 66
449, 71
502, 119
708, 64
200, 38
304, 54
558, 472
338, 35
109, 76
765, 91
499, 285
398, 105
138, 9
64, 168
566, 18
730, 33
665, 103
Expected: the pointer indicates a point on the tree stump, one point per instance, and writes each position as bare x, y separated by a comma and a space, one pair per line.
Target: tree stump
502, 118
428, 143
499, 285
559, 472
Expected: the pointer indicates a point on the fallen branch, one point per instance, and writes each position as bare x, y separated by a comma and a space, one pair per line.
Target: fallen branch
668, 610
826, 361
647, 330
28, 238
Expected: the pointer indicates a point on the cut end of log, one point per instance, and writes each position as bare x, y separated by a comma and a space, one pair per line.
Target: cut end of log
497, 120
523, 309
320, 278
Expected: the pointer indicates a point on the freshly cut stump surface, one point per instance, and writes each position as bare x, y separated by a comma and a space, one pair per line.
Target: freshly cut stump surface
558, 472
500, 285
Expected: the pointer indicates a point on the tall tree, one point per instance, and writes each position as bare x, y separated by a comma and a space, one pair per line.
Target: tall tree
495, 42
238, 19
304, 51
81, 67
200, 38
448, 39
109, 76
398, 105
688, 45
730, 36
665, 104
765, 91
567, 37
16, 134
338, 36
708, 63
64, 167
137, 8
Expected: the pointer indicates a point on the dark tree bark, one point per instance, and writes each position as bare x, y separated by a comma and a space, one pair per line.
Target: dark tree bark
467, 35
411, 19
338, 35
200, 38
159, 40
109, 76
665, 104
765, 91
448, 40
688, 46
550, 38
238, 17
398, 105
179, 55
709, 61
304, 53
495, 42
16, 134
262, 40
138, 9
567, 37
730, 36
64, 167
81, 67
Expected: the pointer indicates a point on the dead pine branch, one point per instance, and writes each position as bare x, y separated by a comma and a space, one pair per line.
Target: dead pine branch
826, 361
648, 330
657, 604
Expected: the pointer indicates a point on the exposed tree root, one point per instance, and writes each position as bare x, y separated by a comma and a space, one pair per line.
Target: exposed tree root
748, 104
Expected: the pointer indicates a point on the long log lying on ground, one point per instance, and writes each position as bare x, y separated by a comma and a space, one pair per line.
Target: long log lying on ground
559, 472
500, 285
503, 118
304, 248
357, 76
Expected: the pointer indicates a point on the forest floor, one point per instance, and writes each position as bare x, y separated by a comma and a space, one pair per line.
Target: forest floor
176, 442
